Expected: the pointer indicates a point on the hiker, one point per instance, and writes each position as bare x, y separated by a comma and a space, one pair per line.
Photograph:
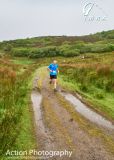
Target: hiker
53, 69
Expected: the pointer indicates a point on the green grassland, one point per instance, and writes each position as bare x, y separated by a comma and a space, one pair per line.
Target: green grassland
16, 119
93, 78
86, 66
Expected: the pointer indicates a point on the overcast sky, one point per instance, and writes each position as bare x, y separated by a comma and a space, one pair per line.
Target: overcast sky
32, 18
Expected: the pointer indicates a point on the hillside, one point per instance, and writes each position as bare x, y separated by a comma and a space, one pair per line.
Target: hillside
60, 45
80, 113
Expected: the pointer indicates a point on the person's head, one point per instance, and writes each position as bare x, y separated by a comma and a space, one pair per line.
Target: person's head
54, 62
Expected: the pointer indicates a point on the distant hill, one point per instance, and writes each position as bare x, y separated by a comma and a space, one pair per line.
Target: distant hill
105, 34
60, 45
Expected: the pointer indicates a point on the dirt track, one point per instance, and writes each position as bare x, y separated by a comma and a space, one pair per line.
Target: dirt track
60, 127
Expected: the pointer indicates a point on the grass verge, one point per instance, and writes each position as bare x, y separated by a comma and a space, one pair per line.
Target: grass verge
102, 106
25, 139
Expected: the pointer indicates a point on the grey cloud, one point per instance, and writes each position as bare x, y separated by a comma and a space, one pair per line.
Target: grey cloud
29, 18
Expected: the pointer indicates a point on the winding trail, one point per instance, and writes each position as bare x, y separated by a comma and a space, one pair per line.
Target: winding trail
60, 127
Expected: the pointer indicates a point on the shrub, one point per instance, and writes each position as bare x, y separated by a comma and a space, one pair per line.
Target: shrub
84, 87
96, 48
67, 51
86, 48
21, 52
8, 47
36, 52
99, 95
70, 53
78, 45
101, 48
109, 86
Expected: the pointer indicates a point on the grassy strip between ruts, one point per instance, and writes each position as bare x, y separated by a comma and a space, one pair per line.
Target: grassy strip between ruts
51, 119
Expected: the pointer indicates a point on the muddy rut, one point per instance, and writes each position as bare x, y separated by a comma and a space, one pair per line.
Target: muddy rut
60, 127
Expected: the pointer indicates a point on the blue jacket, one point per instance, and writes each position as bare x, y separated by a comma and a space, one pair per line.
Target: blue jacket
53, 68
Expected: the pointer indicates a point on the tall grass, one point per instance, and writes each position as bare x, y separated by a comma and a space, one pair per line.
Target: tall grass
94, 80
100, 76
13, 89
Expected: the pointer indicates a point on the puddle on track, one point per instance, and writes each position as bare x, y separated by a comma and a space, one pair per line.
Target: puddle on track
41, 129
87, 112
36, 100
